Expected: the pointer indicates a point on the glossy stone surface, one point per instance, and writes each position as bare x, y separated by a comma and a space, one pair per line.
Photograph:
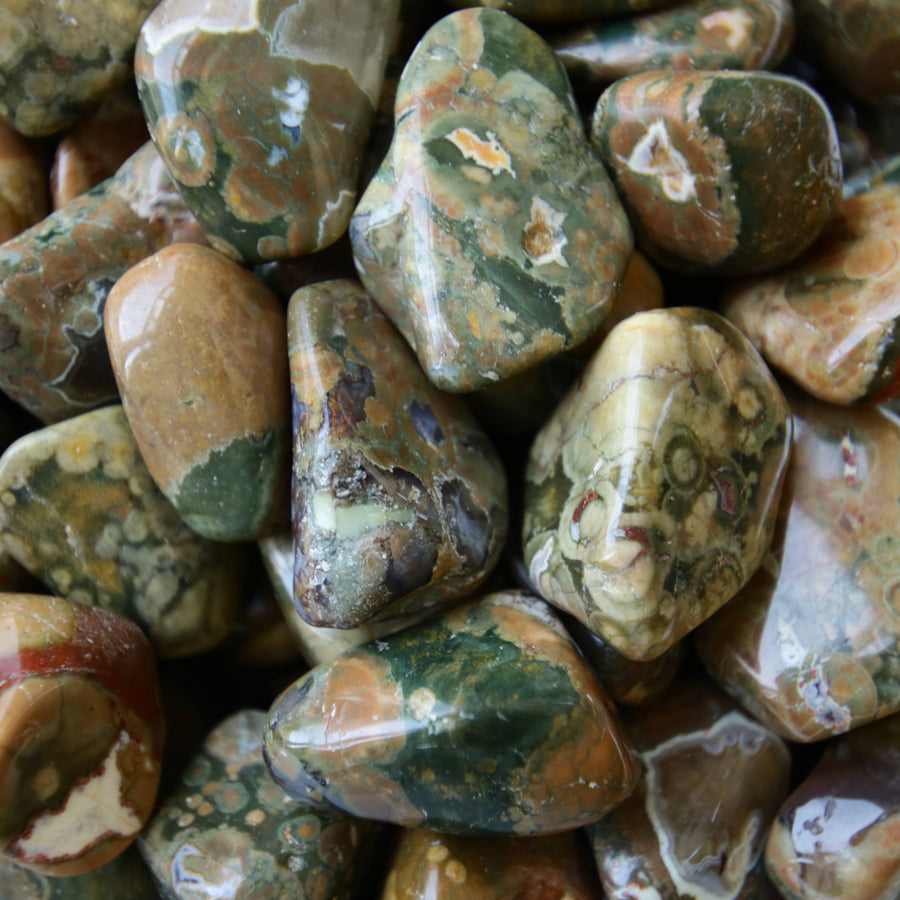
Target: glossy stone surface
227, 830
721, 172
713, 779
55, 277
830, 320
78, 509
453, 867
549, 11
836, 836
198, 349
651, 492
810, 645
699, 34
261, 112
398, 499
81, 730
491, 234
56, 61
485, 720
23, 190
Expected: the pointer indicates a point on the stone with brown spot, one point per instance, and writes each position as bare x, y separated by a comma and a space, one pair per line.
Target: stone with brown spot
23, 190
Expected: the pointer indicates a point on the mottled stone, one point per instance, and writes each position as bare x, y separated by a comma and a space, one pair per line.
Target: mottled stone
23, 189
721, 172
198, 348
78, 509
261, 112
837, 837
81, 729
227, 830
550, 11
713, 780
455, 867
55, 277
398, 499
810, 646
491, 235
651, 492
830, 320
698, 34
485, 720
59, 59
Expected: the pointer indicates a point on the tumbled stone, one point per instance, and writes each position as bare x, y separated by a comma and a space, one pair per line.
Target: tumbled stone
835, 837
550, 11
721, 172
79, 510
699, 34
455, 867
491, 235
23, 191
713, 780
55, 277
198, 349
651, 492
830, 320
810, 645
58, 60
261, 112
485, 720
398, 499
227, 830
81, 729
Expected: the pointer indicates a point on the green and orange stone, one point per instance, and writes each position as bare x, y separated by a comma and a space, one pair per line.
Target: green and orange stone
81, 729
23, 186
651, 492
491, 235
261, 111
554, 11
398, 498
484, 721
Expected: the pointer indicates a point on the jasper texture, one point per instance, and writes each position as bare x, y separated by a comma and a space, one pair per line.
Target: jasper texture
721, 172
261, 113
79, 510
55, 277
81, 730
198, 346
491, 235
699, 34
830, 320
810, 646
485, 720
550, 11
835, 837
57, 61
227, 830
398, 498
454, 867
713, 780
23, 189
651, 492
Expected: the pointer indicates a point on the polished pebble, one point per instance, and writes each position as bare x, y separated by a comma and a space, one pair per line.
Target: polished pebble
554, 11
23, 189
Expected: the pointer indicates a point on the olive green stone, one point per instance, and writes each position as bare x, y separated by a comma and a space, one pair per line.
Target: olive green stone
551, 11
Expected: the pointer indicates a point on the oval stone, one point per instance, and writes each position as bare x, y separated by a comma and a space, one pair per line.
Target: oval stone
551, 11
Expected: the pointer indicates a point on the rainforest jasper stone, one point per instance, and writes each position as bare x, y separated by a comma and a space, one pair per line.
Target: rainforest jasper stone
550, 11
398, 499
485, 720
227, 830
57, 60
491, 234
810, 645
454, 867
651, 492
81, 730
713, 780
23, 191
198, 348
835, 837
699, 34
721, 172
55, 277
261, 112
830, 320
78, 509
